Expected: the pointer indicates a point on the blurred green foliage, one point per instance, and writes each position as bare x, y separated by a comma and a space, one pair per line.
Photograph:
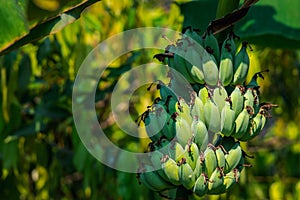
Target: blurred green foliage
41, 155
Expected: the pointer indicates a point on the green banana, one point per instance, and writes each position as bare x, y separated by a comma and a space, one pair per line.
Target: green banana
237, 100
220, 157
165, 120
210, 70
171, 104
203, 94
256, 125
184, 110
152, 126
233, 157
192, 34
200, 166
215, 184
212, 116
229, 180
162, 145
142, 180
165, 91
169, 129
241, 65
200, 133
192, 154
211, 45
194, 63
156, 158
256, 106
180, 62
176, 151
249, 98
197, 107
183, 131
200, 187
242, 123
171, 170
219, 97
186, 175
227, 120
153, 179
226, 63
211, 161
231, 44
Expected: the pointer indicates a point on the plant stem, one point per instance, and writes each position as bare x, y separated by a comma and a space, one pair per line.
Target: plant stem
225, 7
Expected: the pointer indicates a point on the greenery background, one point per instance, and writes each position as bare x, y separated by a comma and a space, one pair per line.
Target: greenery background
41, 156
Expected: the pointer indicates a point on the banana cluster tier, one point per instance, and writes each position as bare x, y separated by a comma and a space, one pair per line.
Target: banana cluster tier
221, 105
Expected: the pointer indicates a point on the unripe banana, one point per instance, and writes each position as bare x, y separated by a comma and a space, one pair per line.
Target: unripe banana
220, 157
210, 70
186, 175
165, 120
241, 65
249, 98
229, 180
200, 166
171, 105
183, 131
171, 170
226, 63
233, 158
212, 116
143, 180
153, 179
237, 100
215, 184
203, 94
227, 120
197, 107
200, 187
211, 45
160, 144
165, 92
184, 110
156, 158
242, 124
176, 151
169, 129
219, 97
192, 154
256, 105
180, 62
200, 133
256, 125
194, 63
194, 36
211, 161
152, 126
231, 44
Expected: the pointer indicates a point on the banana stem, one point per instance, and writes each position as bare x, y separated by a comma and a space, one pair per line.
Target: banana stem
225, 7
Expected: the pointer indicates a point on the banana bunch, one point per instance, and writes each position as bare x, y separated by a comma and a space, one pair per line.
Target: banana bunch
181, 153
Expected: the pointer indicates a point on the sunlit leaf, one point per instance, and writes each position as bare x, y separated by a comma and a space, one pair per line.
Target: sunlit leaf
47, 27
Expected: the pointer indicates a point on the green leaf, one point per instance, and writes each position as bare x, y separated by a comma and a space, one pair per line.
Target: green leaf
273, 23
198, 14
13, 22
47, 27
